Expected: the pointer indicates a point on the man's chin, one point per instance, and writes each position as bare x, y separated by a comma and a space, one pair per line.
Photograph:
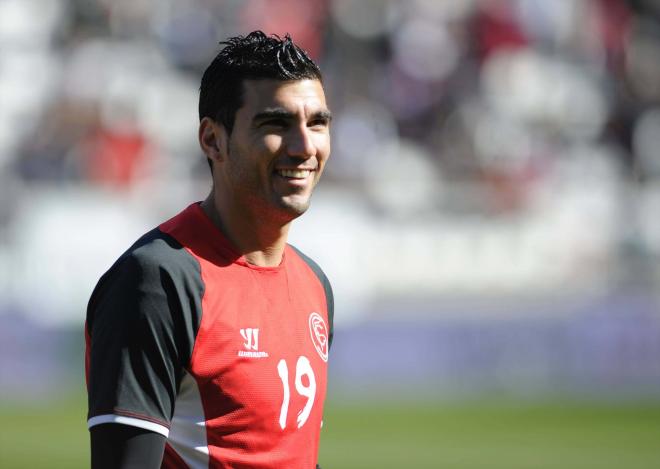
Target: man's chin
294, 206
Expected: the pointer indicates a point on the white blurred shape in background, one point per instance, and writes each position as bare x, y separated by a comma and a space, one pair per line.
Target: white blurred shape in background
530, 86
364, 19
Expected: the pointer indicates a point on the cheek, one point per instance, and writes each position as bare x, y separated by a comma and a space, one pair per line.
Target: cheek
323, 147
271, 143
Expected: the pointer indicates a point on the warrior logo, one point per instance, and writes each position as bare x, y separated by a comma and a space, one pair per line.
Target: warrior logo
319, 333
251, 337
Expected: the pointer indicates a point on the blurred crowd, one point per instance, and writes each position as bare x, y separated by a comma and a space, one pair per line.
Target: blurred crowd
500, 111
492, 92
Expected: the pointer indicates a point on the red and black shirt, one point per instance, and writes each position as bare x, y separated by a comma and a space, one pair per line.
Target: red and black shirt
226, 359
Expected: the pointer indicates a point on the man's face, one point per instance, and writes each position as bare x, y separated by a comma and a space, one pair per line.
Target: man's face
278, 147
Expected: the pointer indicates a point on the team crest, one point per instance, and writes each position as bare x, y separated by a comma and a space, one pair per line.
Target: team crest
319, 333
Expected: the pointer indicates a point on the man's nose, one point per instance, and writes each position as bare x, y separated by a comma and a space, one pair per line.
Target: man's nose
301, 143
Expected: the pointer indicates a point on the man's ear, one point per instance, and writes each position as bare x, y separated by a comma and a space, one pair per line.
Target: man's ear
213, 139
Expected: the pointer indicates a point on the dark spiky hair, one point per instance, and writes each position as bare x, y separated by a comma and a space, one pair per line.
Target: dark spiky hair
252, 57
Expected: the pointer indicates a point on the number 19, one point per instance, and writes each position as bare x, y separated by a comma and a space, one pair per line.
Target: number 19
303, 367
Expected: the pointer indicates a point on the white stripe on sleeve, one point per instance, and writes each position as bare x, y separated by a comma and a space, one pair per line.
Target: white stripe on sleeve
131, 421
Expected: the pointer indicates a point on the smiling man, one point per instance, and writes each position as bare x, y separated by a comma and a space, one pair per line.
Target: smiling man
208, 340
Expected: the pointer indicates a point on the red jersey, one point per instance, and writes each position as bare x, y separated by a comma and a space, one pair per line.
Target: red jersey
226, 359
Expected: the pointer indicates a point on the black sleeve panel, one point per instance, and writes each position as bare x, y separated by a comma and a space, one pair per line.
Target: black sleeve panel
142, 320
329, 297
123, 447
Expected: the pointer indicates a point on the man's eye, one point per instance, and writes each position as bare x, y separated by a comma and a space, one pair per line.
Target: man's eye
319, 123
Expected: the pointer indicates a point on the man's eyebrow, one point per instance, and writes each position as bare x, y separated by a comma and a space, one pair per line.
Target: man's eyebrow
327, 115
281, 113
271, 113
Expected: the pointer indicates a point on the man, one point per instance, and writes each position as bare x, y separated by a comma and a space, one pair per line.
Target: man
207, 341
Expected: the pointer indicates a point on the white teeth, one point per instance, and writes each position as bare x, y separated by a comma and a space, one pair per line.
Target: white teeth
294, 173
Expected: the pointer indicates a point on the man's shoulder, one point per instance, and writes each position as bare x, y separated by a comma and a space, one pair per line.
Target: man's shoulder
153, 253
316, 268
155, 246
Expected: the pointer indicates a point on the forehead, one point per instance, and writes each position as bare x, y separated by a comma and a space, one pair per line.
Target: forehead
295, 95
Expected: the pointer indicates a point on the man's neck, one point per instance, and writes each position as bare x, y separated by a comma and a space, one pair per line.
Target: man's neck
260, 242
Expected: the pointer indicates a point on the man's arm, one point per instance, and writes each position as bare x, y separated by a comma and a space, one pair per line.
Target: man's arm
117, 446
141, 324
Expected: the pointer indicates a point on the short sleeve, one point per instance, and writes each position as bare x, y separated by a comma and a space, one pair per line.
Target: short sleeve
142, 320
327, 288
330, 301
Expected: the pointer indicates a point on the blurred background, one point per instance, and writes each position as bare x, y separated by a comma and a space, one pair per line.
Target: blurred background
490, 217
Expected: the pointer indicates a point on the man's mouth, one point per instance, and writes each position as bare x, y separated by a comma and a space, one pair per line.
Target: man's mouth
294, 173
